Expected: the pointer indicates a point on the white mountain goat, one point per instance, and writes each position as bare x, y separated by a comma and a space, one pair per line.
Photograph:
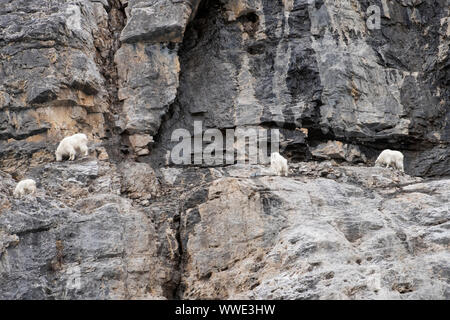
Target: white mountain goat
278, 164
390, 158
70, 145
27, 186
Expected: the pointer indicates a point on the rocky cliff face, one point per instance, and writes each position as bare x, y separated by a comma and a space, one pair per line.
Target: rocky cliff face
126, 223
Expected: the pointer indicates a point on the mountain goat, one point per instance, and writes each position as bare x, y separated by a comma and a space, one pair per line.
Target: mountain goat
27, 186
278, 164
390, 158
70, 145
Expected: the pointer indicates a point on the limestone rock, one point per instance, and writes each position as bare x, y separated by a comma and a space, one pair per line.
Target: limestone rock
139, 180
139, 143
316, 239
156, 21
338, 150
125, 223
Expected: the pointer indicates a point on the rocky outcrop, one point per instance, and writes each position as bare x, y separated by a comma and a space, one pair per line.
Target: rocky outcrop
316, 66
359, 235
125, 223
81, 237
55, 75
295, 64
338, 150
326, 232
148, 64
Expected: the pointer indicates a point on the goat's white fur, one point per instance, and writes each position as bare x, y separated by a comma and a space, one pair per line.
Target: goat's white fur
70, 145
27, 186
278, 164
390, 158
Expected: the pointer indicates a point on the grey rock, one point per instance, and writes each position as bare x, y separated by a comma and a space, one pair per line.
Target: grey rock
125, 223
156, 21
315, 239
338, 150
147, 86
139, 180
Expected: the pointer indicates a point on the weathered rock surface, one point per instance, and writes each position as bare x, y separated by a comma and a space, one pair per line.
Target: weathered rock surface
54, 78
315, 65
368, 233
79, 238
325, 232
124, 223
338, 150
157, 21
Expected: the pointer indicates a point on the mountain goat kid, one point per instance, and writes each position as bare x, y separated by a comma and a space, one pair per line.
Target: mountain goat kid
278, 164
70, 145
27, 186
390, 158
